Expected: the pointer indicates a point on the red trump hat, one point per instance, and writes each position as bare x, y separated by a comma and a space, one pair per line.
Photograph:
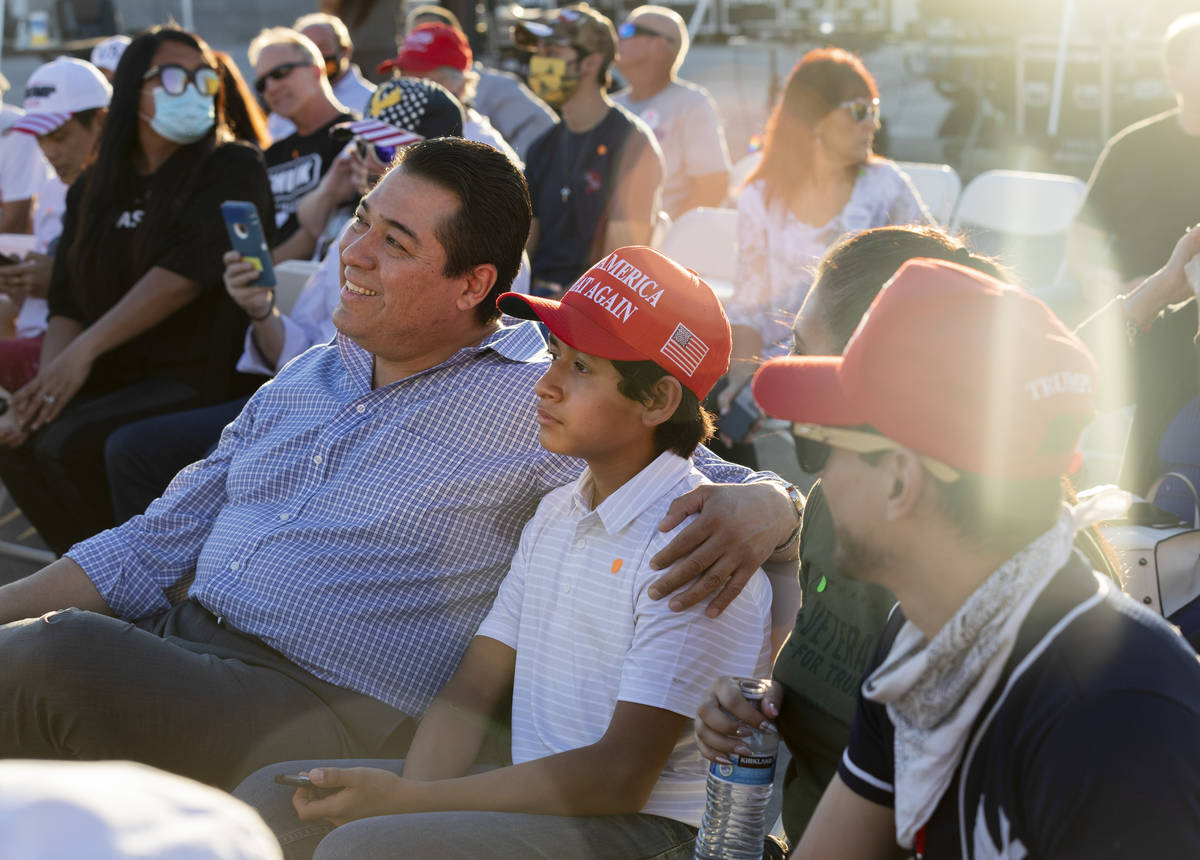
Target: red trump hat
638, 305
955, 365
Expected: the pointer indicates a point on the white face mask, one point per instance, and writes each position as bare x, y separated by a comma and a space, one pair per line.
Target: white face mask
184, 118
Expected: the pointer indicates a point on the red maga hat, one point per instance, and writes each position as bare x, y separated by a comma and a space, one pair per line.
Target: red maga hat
638, 305
955, 365
428, 47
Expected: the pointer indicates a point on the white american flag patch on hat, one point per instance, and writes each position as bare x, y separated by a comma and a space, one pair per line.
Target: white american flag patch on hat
685, 349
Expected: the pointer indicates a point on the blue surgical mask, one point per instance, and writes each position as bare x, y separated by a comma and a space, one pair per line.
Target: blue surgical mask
184, 118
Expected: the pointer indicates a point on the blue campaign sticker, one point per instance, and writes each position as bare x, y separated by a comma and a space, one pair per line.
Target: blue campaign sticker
745, 770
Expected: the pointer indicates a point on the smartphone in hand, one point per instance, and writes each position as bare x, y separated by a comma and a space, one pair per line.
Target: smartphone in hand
742, 415
301, 780
248, 239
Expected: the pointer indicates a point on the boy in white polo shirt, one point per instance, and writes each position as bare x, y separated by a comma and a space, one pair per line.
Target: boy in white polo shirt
604, 680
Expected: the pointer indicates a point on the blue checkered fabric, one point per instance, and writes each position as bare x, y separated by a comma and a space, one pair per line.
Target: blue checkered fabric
362, 533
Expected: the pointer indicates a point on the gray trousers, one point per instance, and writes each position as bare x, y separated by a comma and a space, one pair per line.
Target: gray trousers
178, 691
454, 835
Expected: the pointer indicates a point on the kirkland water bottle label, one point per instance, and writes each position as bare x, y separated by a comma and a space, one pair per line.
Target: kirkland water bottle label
745, 770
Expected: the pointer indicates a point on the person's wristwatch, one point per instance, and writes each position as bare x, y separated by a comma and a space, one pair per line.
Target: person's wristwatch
797, 499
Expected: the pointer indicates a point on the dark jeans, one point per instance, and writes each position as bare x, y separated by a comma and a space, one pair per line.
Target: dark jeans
141, 458
178, 691
465, 835
57, 477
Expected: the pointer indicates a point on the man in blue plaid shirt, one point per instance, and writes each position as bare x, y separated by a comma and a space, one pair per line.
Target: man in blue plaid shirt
348, 534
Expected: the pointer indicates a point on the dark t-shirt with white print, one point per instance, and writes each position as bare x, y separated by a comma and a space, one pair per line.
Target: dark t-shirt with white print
198, 344
295, 166
1088, 747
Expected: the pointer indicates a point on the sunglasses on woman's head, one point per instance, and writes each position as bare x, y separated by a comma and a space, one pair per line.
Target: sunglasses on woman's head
277, 74
175, 78
861, 109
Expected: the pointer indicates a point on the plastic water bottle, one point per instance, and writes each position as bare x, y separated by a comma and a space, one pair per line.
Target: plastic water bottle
734, 822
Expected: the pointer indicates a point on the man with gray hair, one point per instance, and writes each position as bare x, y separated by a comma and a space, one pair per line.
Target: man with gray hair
349, 86
289, 73
682, 115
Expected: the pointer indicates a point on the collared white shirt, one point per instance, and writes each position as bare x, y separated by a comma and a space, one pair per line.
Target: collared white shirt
575, 609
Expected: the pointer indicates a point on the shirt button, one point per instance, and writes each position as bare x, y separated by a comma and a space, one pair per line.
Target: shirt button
360, 409
580, 544
566, 588
318, 459
235, 565
285, 516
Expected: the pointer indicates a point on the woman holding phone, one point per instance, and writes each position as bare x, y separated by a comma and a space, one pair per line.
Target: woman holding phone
139, 322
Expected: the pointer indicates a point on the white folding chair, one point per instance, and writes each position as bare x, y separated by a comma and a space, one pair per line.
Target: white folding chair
1021, 218
705, 239
290, 278
937, 184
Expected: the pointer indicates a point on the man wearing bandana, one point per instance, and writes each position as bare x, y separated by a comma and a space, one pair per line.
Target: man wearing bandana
595, 178
1018, 705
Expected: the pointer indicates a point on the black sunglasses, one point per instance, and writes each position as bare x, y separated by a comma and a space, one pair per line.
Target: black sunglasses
175, 78
277, 74
811, 455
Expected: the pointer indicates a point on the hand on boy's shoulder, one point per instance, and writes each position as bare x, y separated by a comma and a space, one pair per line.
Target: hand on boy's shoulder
729, 530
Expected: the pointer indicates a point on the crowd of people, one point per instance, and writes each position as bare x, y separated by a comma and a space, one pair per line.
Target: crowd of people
461, 536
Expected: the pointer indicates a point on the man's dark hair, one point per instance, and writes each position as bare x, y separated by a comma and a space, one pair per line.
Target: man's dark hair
1000, 515
689, 426
491, 224
854, 271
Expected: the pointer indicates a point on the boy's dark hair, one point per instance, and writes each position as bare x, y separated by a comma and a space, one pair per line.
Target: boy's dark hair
690, 426
491, 224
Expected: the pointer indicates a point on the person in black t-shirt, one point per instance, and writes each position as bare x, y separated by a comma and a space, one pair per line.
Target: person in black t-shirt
139, 322
1018, 705
595, 179
290, 74
1145, 189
